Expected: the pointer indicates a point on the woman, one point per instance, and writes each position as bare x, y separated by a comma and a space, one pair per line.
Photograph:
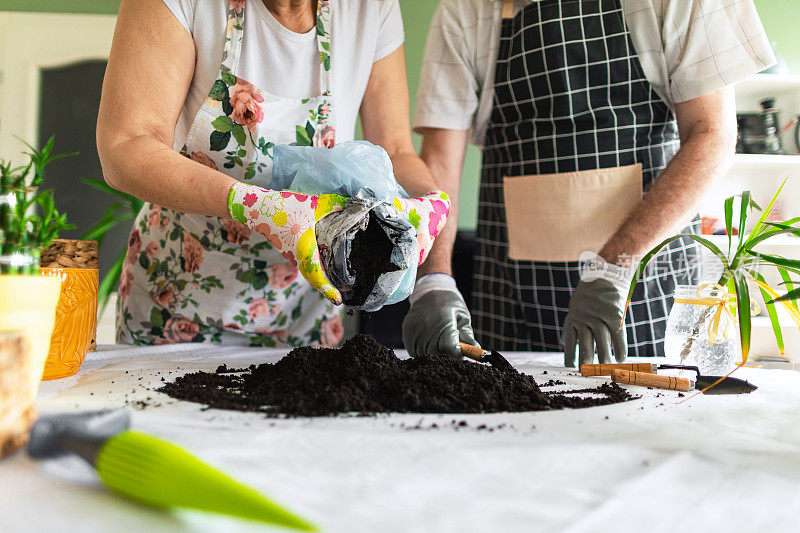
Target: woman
196, 94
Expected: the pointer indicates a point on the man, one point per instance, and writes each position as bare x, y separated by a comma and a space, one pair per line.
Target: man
602, 125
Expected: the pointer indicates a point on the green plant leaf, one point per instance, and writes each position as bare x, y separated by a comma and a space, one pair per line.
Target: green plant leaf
103, 186
219, 140
219, 91
787, 281
237, 213
777, 260
766, 212
790, 296
764, 235
228, 78
729, 221
110, 280
712, 247
222, 123
743, 306
772, 312
652, 253
238, 133
227, 108
99, 230
414, 218
301, 136
298, 311
786, 224
310, 130
156, 318
106, 222
743, 207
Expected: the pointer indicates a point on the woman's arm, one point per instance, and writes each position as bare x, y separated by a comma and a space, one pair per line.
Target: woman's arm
149, 71
385, 121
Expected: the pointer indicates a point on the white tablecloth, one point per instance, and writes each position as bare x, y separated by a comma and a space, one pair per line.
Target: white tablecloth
715, 463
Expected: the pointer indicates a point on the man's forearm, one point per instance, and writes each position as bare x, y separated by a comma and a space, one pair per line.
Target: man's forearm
413, 174
441, 255
705, 156
443, 152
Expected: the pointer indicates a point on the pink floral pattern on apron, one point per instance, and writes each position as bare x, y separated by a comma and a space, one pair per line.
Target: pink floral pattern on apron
192, 278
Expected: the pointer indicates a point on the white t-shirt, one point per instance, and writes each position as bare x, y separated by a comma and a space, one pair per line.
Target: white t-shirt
284, 63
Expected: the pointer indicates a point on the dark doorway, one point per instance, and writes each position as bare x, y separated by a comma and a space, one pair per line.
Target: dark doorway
69, 101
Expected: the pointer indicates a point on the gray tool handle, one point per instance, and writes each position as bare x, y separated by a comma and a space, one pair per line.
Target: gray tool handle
81, 433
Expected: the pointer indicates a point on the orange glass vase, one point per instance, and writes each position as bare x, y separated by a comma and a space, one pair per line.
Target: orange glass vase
76, 317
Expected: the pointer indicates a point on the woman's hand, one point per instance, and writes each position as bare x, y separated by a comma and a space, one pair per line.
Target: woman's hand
287, 220
428, 215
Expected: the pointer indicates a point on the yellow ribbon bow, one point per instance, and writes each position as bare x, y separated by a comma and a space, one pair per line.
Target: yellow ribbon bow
714, 294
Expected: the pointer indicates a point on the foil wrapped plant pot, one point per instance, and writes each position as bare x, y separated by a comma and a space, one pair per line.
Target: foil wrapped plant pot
17, 369
75, 264
369, 253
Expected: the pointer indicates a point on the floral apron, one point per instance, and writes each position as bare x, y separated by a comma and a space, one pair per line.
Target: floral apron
193, 278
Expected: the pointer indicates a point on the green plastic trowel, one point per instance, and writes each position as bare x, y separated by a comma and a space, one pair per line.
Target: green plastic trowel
150, 470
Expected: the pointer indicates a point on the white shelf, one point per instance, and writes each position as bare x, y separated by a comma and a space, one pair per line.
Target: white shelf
764, 85
767, 159
779, 166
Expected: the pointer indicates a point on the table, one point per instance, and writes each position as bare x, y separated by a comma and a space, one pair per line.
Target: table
714, 463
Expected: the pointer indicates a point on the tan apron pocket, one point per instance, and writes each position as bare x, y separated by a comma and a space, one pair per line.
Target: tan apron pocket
556, 217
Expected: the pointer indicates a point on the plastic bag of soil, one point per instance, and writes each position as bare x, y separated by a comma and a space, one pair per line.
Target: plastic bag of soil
368, 251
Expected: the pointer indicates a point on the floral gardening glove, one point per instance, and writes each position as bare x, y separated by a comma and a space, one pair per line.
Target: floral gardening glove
287, 220
428, 215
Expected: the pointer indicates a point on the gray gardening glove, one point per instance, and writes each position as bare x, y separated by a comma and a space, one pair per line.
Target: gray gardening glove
596, 311
438, 318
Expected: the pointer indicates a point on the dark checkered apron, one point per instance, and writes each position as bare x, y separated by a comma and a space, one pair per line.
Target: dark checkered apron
569, 95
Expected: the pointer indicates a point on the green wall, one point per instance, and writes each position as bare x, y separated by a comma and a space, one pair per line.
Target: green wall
779, 18
416, 18
103, 7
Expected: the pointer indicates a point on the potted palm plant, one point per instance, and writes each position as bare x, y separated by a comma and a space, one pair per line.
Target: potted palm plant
29, 221
704, 322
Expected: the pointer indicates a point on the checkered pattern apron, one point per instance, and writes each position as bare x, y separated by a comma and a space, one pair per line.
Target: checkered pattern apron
569, 95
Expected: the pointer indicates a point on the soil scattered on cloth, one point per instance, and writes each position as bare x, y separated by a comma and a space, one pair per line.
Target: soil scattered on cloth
365, 377
370, 254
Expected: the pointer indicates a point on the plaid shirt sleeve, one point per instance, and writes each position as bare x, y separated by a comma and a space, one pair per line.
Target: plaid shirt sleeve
689, 48
449, 88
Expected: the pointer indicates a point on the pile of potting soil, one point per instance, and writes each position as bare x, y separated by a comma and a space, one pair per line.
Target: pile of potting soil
365, 377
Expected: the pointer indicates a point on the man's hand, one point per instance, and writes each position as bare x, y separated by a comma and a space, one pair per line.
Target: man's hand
596, 313
438, 319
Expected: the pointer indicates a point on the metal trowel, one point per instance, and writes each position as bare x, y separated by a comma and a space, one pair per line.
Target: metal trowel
491, 357
149, 470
